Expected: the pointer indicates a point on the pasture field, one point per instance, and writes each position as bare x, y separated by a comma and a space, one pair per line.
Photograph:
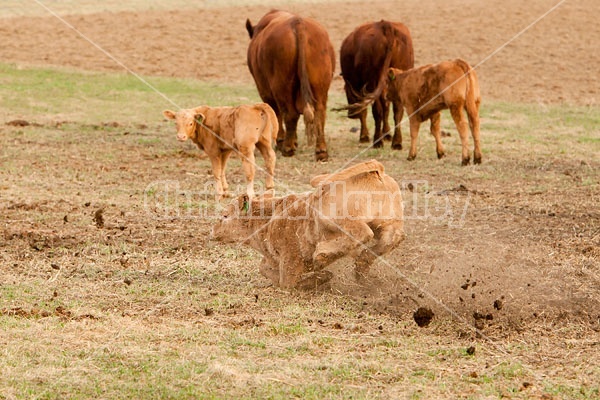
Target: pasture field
111, 288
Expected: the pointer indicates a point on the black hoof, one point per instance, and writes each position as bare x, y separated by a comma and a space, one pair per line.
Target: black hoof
321, 155
288, 152
396, 146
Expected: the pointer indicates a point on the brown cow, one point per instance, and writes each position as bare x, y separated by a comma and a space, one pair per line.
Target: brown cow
220, 130
300, 234
365, 56
292, 62
427, 90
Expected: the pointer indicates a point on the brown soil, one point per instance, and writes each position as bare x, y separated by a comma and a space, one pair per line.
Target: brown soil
554, 61
544, 259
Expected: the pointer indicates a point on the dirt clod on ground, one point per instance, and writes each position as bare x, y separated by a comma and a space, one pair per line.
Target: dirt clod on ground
423, 316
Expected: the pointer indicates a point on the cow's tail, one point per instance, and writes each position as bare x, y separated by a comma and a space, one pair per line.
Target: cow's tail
472, 96
308, 98
368, 98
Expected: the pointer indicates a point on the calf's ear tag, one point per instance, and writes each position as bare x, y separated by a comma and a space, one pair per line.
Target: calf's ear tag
245, 205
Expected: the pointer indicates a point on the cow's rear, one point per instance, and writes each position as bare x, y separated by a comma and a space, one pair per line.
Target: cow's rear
292, 61
365, 56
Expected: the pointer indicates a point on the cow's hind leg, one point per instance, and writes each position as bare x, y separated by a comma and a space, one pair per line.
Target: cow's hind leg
318, 124
436, 132
386, 130
269, 156
463, 131
378, 113
364, 129
290, 142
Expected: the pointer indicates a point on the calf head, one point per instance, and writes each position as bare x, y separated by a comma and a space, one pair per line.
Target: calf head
393, 84
186, 121
243, 217
234, 221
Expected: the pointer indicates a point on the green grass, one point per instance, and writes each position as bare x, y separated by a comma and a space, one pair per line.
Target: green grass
195, 320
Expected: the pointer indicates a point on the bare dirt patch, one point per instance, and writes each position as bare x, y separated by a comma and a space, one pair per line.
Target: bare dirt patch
91, 272
551, 62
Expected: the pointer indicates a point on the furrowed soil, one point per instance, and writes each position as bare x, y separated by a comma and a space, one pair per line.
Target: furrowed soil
109, 220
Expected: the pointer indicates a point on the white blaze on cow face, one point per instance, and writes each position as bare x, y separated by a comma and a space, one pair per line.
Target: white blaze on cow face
185, 122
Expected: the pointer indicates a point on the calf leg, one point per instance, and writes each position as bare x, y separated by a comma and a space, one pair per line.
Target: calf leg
270, 270
218, 171
248, 164
224, 157
348, 237
436, 131
473, 116
269, 156
463, 131
291, 268
386, 238
386, 130
397, 139
314, 280
414, 134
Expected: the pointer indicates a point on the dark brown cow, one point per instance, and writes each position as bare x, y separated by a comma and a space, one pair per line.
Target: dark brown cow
292, 62
365, 57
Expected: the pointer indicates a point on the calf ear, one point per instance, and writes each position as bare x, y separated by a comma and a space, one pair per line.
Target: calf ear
169, 114
249, 28
199, 117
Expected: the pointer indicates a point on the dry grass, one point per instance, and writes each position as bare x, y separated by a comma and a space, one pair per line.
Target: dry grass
142, 307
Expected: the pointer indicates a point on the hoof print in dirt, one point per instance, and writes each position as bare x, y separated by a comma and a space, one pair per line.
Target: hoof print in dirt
423, 316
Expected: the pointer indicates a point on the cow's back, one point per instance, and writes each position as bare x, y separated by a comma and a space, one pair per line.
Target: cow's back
273, 58
363, 53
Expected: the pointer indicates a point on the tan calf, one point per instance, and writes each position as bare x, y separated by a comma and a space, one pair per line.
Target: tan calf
426, 90
356, 212
220, 130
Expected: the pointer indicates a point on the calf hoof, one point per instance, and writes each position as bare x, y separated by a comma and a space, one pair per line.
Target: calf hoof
288, 152
279, 145
441, 155
321, 155
466, 161
411, 158
477, 160
364, 139
322, 260
396, 146
314, 280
